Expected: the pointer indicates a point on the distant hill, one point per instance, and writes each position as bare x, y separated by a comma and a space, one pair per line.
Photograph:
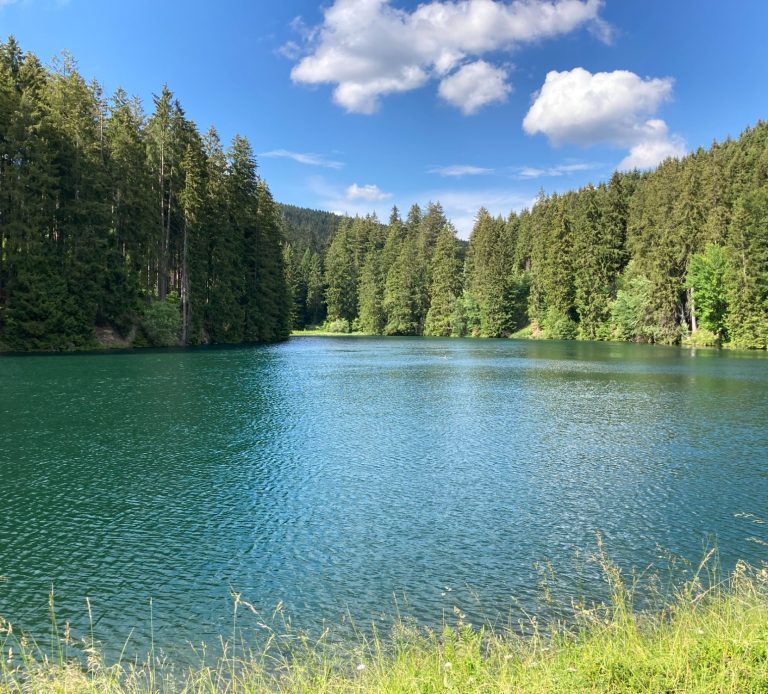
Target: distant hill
310, 228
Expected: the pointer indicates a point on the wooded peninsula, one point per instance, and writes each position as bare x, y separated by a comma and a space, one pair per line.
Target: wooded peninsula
120, 228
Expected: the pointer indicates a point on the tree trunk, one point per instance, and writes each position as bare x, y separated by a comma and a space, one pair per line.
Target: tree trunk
162, 260
185, 302
694, 327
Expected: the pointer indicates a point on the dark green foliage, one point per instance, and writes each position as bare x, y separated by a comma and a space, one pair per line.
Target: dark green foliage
308, 228
372, 318
445, 288
747, 280
405, 293
104, 214
162, 322
496, 293
341, 270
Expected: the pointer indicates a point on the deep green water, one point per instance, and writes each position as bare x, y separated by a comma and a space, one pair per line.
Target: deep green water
339, 475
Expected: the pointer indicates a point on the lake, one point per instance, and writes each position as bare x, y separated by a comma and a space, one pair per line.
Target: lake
355, 477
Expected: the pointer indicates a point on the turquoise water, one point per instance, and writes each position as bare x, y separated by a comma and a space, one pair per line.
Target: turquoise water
355, 477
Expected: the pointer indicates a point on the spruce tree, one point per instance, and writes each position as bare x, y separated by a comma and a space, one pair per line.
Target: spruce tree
445, 288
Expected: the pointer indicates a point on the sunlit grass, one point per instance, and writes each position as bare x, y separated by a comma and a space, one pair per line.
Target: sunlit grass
319, 332
711, 636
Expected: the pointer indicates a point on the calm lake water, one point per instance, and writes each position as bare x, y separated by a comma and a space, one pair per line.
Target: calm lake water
361, 476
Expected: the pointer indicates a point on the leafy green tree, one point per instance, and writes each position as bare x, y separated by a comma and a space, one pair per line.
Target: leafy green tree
707, 282
631, 310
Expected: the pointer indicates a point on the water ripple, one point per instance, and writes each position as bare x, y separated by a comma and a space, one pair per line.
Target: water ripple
339, 475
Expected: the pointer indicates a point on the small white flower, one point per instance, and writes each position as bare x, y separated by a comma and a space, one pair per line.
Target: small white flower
360, 667
447, 665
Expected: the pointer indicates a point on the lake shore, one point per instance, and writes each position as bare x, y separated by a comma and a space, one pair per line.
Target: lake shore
706, 639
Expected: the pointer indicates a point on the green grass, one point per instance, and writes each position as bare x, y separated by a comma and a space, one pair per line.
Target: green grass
525, 333
319, 332
703, 640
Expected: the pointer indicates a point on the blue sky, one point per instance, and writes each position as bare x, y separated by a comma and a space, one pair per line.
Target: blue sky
356, 105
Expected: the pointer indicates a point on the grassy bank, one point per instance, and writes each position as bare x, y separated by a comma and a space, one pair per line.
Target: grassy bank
705, 640
319, 332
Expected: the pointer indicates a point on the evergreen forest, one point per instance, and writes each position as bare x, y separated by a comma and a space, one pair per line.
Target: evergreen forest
119, 228
670, 256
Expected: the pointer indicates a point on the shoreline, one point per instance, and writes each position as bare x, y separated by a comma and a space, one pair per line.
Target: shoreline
710, 636
112, 348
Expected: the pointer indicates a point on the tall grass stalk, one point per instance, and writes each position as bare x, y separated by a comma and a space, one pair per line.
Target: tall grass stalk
710, 636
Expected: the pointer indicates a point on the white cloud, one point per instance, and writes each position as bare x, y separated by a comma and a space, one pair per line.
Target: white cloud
290, 50
475, 85
585, 108
307, 158
369, 192
458, 170
614, 108
527, 172
370, 49
461, 206
655, 148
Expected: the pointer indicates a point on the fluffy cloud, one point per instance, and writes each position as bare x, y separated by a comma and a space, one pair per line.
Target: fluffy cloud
528, 172
582, 108
306, 158
655, 147
475, 85
370, 193
369, 49
458, 170
461, 206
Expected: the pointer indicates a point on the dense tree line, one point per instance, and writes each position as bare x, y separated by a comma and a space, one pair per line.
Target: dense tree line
307, 233
115, 221
676, 254
308, 228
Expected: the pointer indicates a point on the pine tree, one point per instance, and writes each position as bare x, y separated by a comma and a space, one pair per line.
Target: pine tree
341, 275
370, 295
312, 270
193, 272
747, 320
405, 294
445, 288
225, 317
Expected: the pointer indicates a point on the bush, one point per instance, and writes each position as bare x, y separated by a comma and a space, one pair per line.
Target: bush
630, 312
702, 338
558, 325
340, 325
162, 322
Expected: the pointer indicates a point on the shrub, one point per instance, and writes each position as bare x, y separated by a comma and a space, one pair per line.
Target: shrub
558, 325
162, 322
340, 325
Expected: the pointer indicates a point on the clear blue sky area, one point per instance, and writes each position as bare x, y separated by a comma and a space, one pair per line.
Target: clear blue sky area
356, 105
